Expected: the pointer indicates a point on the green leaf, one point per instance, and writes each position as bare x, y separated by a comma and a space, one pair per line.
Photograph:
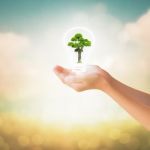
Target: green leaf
78, 35
87, 42
70, 43
73, 39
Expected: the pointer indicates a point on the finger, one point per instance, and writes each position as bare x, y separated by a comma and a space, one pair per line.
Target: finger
61, 72
59, 69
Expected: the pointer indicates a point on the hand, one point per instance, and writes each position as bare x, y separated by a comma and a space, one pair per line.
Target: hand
93, 78
96, 78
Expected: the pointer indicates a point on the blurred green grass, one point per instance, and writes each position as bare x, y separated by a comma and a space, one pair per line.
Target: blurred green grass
20, 133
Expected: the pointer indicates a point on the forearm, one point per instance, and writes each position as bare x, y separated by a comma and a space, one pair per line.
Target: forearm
133, 101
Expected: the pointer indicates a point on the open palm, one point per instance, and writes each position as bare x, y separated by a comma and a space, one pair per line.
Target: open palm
93, 78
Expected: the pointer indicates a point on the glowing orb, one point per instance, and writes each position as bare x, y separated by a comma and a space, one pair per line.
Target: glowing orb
72, 56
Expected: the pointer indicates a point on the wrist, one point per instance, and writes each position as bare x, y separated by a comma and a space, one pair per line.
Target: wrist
105, 82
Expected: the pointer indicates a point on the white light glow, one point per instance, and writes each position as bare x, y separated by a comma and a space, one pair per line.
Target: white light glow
72, 57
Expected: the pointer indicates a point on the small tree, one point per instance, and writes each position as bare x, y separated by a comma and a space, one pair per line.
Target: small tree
78, 42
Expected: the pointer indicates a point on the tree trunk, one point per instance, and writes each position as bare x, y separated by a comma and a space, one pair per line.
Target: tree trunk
79, 57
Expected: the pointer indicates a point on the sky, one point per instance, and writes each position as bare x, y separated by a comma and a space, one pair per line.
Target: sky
32, 43
24, 16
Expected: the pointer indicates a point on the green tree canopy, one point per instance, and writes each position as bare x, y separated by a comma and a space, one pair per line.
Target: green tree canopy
78, 43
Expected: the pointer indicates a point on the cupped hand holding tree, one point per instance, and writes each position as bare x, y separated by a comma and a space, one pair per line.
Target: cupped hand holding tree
93, 78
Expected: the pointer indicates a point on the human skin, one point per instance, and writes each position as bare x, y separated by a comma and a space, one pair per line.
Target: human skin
135, 102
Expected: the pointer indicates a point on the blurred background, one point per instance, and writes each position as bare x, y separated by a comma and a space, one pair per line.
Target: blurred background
38, 112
